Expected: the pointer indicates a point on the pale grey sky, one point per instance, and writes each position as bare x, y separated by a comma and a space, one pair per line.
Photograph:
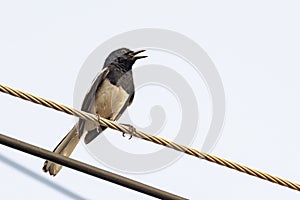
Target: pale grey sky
254, 45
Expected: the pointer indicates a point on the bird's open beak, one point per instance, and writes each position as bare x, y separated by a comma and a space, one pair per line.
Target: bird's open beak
138, 57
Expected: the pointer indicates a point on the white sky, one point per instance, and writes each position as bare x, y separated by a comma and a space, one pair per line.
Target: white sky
254, 45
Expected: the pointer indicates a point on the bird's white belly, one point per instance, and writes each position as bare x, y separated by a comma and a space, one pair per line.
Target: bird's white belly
109, 101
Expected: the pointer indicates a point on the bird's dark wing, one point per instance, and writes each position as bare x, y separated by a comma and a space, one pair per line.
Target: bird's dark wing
131, 99
126, 82
90, 97
128, 103
124, 108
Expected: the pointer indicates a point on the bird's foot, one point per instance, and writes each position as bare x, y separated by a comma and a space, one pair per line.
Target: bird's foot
131, 130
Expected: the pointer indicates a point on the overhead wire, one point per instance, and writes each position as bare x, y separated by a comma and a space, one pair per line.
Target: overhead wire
148, 137
87, 169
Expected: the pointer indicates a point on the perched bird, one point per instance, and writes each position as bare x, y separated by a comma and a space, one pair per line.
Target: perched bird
111, 93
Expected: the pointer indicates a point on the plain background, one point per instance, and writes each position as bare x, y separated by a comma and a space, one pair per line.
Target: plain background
254, 45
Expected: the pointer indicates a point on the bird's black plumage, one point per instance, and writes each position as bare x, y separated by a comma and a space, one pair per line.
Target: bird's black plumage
110, 94
116, 71
109, 65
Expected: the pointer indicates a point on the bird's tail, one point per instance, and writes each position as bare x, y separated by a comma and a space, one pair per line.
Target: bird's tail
65, 148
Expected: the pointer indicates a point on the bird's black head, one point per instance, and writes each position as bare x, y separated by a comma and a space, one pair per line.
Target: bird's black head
123, 58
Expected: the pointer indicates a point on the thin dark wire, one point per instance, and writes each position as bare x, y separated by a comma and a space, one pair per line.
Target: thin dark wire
85, 168
151, 138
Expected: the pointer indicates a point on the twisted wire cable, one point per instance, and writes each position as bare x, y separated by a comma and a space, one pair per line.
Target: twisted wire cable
151, 138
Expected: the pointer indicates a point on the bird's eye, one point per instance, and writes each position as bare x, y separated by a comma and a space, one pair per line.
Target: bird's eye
120, 59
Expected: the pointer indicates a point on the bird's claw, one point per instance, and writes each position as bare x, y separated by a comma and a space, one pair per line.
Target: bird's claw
131, 130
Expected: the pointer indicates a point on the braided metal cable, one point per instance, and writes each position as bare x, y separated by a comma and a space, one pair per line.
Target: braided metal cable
145, 136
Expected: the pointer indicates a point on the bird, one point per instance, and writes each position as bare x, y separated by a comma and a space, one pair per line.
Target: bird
110, 94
